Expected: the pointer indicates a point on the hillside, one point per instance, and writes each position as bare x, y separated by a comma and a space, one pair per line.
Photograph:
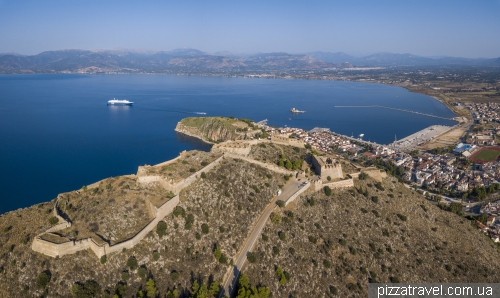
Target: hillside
337, 244
214, 129
324, 245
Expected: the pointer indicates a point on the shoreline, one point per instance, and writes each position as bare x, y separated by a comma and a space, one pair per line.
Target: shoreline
193, 136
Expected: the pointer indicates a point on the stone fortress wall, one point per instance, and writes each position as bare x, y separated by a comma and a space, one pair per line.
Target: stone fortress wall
60, 249
147, 180
284, 139
238, 150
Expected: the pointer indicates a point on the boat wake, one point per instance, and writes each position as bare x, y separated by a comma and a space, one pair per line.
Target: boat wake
200, 113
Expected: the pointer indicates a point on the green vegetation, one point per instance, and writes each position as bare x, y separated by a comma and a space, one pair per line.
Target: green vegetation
161, 229
43, 279
487, 155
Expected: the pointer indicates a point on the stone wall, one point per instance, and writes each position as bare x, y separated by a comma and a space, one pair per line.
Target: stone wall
340, 184
236, 147
54, 250
284, 139
144, 179
268, 166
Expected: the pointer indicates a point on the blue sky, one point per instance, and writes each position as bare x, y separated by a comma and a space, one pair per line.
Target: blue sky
427, 28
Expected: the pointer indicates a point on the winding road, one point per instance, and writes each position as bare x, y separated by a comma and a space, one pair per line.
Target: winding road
240, 258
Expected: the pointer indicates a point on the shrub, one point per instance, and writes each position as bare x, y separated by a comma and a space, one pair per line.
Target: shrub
125, 275
327, 263
385, 232
276, 251
174, 275
265, 237
142, 272
89, 289
197, 236
43, 279
327, 190
280, 203
282, 236
363, 176
312, 239
161, 229
178, 210
375, 199
203, 175
192, 170
251, 257
204, 228
275, 218
204, 163
156, 255
132, 263
342, 242
402, 217
53, 220
103, 259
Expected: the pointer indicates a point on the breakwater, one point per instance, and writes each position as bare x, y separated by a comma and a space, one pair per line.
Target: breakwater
396, 109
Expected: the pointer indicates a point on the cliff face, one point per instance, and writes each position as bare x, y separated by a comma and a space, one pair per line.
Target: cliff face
212, 130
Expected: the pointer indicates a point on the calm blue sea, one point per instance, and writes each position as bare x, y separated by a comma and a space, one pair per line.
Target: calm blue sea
57, 133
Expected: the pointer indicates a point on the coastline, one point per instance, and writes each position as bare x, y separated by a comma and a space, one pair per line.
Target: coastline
193, 136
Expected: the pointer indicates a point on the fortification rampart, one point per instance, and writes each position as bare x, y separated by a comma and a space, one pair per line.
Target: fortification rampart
236, 147
268, 166
340, 183
60, 249
147, 180
284, 139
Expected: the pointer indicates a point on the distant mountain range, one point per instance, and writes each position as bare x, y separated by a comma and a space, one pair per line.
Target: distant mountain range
192, 60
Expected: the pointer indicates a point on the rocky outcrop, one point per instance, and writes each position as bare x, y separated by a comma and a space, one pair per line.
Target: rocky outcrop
212, 131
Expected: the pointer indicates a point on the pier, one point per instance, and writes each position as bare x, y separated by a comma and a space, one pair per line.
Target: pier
396, 109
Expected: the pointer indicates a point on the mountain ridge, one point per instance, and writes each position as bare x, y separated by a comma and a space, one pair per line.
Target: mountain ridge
195, 61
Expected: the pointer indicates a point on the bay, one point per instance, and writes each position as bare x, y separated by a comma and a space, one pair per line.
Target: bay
57, 133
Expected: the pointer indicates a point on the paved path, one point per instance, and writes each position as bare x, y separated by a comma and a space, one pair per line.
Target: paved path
241, 257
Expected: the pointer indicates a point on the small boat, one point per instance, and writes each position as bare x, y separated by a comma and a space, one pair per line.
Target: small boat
119, 102
294, 110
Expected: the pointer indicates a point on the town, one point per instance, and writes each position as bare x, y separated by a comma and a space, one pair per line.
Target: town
465, 173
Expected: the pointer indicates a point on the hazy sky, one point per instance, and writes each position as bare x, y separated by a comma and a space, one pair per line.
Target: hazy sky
428, 28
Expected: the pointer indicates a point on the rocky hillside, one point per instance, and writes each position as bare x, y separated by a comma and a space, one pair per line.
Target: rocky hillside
321, 246
334, 246
213, 129
196, 242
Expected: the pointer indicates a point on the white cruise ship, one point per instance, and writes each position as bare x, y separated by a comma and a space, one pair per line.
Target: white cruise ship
119, 102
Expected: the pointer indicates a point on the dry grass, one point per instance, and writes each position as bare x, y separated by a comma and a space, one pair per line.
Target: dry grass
114, 211
345, 240
184, 167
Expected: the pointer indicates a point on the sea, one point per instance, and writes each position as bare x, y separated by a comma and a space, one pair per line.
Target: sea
57, 132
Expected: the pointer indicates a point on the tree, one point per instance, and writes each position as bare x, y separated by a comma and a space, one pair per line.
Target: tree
251, 257
103, 259
132, 263
217, 253
161, 229
327, 190
151, 288
142, 272
43, 279
214, 288
89, 289
288, 165
329, 178
204, 228
280, 203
